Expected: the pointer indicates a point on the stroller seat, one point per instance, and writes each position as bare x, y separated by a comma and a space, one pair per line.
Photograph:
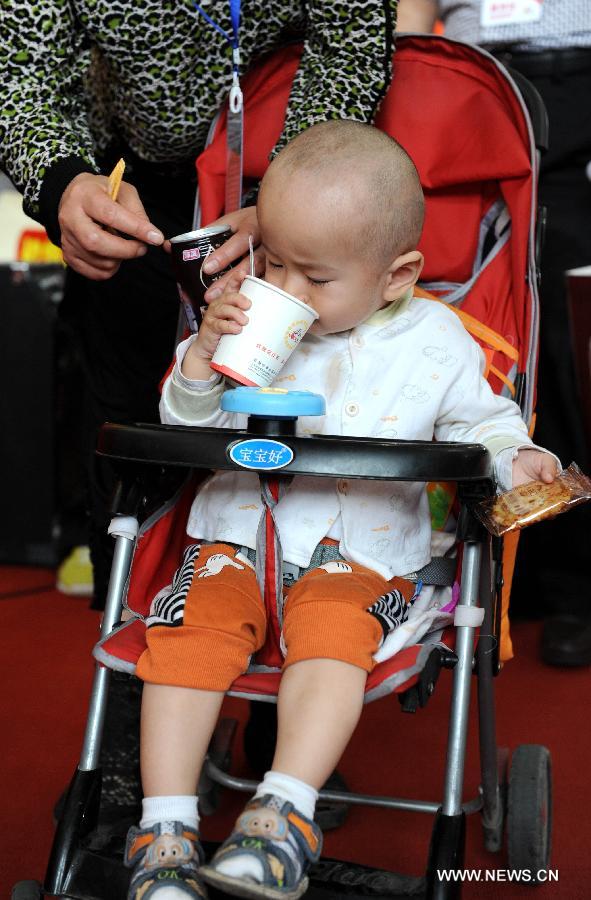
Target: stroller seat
157, 556
395, 675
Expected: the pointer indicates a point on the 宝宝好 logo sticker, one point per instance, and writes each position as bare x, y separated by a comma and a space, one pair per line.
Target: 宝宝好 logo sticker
261, 454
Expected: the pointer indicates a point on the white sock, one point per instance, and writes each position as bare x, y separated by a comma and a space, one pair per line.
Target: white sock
180, 808
303, 797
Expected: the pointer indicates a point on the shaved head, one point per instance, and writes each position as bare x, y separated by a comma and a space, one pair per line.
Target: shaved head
365, 176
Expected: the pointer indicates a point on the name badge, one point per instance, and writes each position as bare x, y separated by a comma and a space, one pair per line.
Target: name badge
510, 12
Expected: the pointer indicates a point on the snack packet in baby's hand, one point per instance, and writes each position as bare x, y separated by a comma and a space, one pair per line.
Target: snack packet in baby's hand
532, 502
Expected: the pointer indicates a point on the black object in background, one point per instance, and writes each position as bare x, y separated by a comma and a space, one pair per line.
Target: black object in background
41, 482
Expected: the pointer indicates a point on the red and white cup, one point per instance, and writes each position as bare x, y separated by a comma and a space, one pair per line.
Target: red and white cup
276, 324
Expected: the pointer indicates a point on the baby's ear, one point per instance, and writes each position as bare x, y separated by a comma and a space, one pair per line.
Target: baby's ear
403, 273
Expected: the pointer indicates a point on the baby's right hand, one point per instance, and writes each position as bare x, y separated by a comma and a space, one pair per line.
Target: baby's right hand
225, 315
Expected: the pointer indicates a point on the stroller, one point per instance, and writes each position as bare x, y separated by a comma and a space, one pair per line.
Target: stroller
480, 241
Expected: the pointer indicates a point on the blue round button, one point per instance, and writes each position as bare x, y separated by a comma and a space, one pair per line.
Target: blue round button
273, 402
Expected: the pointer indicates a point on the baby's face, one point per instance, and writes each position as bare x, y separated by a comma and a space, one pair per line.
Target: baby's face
311, 253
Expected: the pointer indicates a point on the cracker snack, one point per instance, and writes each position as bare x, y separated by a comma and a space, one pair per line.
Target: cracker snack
534, 501
115, 179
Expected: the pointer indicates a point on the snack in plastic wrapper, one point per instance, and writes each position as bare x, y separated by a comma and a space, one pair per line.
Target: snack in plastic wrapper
532, 502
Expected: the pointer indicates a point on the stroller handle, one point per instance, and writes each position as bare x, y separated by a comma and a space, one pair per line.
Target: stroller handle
332, 456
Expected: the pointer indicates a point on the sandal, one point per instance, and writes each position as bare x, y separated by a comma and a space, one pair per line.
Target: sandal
167, 855
282, 841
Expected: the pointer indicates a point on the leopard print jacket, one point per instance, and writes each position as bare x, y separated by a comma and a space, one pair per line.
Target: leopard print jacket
76, 73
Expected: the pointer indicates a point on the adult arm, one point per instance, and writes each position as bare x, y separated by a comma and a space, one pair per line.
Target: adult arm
416, 15
344, 72
346, 66
44, 137
46, 146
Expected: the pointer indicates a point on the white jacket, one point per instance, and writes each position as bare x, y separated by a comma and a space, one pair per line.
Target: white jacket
411, 373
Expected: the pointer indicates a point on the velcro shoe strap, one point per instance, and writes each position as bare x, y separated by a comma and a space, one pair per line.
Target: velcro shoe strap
307, 834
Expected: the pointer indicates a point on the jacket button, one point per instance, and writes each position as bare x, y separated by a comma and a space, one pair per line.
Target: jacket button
343, 486
352, 409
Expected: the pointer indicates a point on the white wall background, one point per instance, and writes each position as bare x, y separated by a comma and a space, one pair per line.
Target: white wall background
12, 220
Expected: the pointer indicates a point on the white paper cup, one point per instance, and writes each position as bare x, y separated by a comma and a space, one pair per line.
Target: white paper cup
276, 324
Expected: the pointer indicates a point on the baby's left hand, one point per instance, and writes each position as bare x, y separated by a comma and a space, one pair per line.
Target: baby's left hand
533, 465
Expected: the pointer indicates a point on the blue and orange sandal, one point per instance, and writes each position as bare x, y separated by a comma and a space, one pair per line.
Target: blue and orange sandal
283, 841
165, 856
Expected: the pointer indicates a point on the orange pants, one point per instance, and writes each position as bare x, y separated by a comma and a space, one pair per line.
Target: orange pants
202, 632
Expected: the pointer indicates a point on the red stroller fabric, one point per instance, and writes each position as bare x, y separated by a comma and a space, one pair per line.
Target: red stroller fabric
462, 121
453, 108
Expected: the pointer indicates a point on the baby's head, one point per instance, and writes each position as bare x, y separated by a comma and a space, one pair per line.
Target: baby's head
341, 211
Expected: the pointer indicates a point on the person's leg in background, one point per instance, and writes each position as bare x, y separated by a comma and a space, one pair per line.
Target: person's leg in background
125, 331
74, 572
552, 573
125, 328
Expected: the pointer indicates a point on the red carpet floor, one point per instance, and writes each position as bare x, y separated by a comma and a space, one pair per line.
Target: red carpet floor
46, 675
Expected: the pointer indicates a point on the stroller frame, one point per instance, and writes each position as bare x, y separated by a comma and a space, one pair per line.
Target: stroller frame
76, 870
72, 868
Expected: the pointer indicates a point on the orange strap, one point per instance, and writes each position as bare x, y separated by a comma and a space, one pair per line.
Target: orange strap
532, 426
503, 378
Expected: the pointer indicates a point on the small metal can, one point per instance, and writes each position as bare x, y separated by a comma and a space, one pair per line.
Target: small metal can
189, 252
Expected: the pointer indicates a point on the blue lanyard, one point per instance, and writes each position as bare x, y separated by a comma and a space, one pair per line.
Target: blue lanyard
233, 40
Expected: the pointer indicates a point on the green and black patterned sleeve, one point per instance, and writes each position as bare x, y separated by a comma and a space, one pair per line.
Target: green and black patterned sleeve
346, 66
166, 72
43, 113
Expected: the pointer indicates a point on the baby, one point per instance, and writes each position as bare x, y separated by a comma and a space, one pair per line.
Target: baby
340, 211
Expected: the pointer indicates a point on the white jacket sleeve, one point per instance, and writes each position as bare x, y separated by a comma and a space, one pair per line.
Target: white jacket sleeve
472, 413
185, 401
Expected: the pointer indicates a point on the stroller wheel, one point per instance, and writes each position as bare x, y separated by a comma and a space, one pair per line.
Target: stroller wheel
529, 809
26, 890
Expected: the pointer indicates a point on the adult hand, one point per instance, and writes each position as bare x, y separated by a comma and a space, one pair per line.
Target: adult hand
534, 465
243, 223
84, 214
